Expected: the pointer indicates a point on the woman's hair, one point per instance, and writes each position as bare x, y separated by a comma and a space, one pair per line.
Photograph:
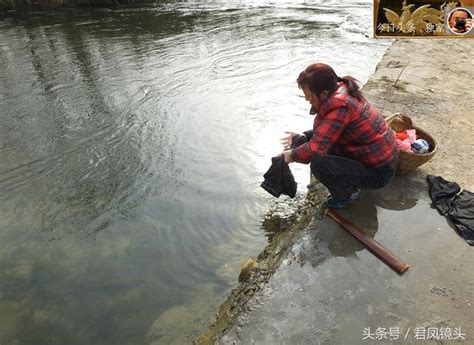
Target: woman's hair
320, 77
460, 10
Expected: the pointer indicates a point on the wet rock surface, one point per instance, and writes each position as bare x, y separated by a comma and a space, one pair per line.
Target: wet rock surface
328, 288
331, 290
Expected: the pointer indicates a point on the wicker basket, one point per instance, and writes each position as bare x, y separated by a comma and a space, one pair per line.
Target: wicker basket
408, 161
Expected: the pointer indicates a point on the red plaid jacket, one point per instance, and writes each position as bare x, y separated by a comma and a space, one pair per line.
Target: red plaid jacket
352, 128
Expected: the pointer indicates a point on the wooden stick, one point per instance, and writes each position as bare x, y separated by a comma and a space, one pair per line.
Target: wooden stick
370, 243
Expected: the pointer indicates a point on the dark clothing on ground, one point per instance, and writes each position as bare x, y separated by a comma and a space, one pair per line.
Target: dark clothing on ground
344, 176
279, 179
454, 203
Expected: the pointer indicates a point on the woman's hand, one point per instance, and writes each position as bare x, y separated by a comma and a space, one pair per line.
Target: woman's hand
287, 155
288, 140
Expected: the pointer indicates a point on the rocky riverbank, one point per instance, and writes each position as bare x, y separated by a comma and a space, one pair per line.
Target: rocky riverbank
316, 284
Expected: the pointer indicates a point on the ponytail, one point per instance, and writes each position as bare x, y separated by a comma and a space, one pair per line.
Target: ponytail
320, 77
352, 86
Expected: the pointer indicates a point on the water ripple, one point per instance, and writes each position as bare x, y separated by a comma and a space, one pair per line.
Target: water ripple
133, 144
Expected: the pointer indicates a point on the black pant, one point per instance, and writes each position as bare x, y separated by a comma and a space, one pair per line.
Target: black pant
343, 176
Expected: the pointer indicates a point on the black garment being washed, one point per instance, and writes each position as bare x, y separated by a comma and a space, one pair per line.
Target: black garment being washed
279, 179
454, 203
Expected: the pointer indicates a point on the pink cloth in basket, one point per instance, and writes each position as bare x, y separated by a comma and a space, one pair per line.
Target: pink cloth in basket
405, 145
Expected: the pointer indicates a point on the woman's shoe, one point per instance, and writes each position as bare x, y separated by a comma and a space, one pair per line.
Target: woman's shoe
338, 203
333, 202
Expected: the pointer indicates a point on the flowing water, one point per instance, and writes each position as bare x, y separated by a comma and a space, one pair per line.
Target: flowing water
132, 146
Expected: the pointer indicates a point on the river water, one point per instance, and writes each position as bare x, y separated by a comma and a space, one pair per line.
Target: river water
132, 146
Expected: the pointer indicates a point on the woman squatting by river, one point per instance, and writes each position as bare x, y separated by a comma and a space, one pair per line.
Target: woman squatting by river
351, 147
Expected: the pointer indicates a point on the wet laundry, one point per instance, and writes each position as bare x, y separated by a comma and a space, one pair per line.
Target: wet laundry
404, 145
401, 135
405, 139
454, 203
420, 146
279, 179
